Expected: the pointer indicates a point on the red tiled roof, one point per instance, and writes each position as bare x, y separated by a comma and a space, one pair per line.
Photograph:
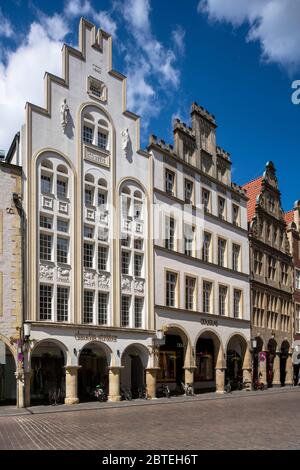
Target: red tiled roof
289, 216
253, 189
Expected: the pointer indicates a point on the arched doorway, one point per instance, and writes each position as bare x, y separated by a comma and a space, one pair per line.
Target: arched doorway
256, 354
134, 362
93, 362
235, 360
173, 356
285, 347
271, 355
47, 373
208, 349
7, 376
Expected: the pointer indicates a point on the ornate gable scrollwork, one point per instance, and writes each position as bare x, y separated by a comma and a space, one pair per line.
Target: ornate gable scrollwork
270, 175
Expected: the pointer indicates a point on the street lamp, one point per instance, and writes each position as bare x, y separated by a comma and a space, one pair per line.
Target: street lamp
27, 332
254, 343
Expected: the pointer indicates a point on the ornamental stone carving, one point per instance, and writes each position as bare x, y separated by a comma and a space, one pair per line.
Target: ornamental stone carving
126, 284
89, 279
104, 282
46, 272
139, 287
64, 114
125, 141
63, 275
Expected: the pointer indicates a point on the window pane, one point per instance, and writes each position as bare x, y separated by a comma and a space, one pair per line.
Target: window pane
45, 247
88, 306
138, 264
171, 289
63, 225
46, 222
102, 140
125, 262
87, 135
45, 184
88, 231
88, 196
88, 255
62, 250
102, 308
138, 312
61, 188
62, 304
102, 258
45, 302
125, 308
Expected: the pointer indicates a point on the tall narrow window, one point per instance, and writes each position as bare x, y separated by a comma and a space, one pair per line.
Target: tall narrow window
125, 310
102, 308
88, 231
169, 233
102, 200
138, 264
102, 140
221, 207
235, 257
237, 295
222, 300
206, 199
125, 262
235, 214
62, 250
258, 256
46, 185
88, 196
271, 267
62, 304
87, 135
45, 247
170, 181
190, 284
171, 281
45, 302
206, 247
88, 255
207, 289
297, 322
102, 258
138, 312
61, 188
188, 191
221, 251
88, 306
188, 240
297, 276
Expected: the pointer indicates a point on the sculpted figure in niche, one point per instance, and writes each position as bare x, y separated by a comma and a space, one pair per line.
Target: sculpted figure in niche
64, 113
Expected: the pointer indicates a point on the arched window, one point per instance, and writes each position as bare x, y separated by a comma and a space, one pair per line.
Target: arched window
62, 169
95, 131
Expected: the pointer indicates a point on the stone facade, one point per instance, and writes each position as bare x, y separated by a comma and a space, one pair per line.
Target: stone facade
10, 280
271, 274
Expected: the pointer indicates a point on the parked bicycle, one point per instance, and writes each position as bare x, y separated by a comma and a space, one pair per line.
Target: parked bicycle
100, 393
126, 394
54, 396
228, 386
258, 385
164, 391
188, 389
143, 393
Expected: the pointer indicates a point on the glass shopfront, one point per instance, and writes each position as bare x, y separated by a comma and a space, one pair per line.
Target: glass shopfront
171, 360
93, 372
204, 361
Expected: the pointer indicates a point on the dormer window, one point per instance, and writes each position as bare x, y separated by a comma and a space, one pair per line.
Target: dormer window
97, 89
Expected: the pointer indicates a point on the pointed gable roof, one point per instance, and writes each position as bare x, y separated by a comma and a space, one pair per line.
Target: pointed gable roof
253, 189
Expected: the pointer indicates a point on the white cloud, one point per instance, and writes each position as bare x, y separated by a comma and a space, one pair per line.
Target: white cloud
21, 78
178, 36
6, 29
77, 8
56, 26
274, 23
150, 65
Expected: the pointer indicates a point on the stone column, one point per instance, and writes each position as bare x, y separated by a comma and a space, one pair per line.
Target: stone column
276, 371
151, 382
220, 379
114, 383
27, 376
247, 368
262, 369
189, 375
289, 371
72, 385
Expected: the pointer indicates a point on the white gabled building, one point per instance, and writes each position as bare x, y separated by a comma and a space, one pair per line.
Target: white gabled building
201, 259
87, 191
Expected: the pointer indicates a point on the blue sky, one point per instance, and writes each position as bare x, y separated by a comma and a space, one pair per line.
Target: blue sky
235, 59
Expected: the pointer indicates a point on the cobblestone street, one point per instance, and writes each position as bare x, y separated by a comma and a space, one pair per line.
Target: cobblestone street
258, 421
